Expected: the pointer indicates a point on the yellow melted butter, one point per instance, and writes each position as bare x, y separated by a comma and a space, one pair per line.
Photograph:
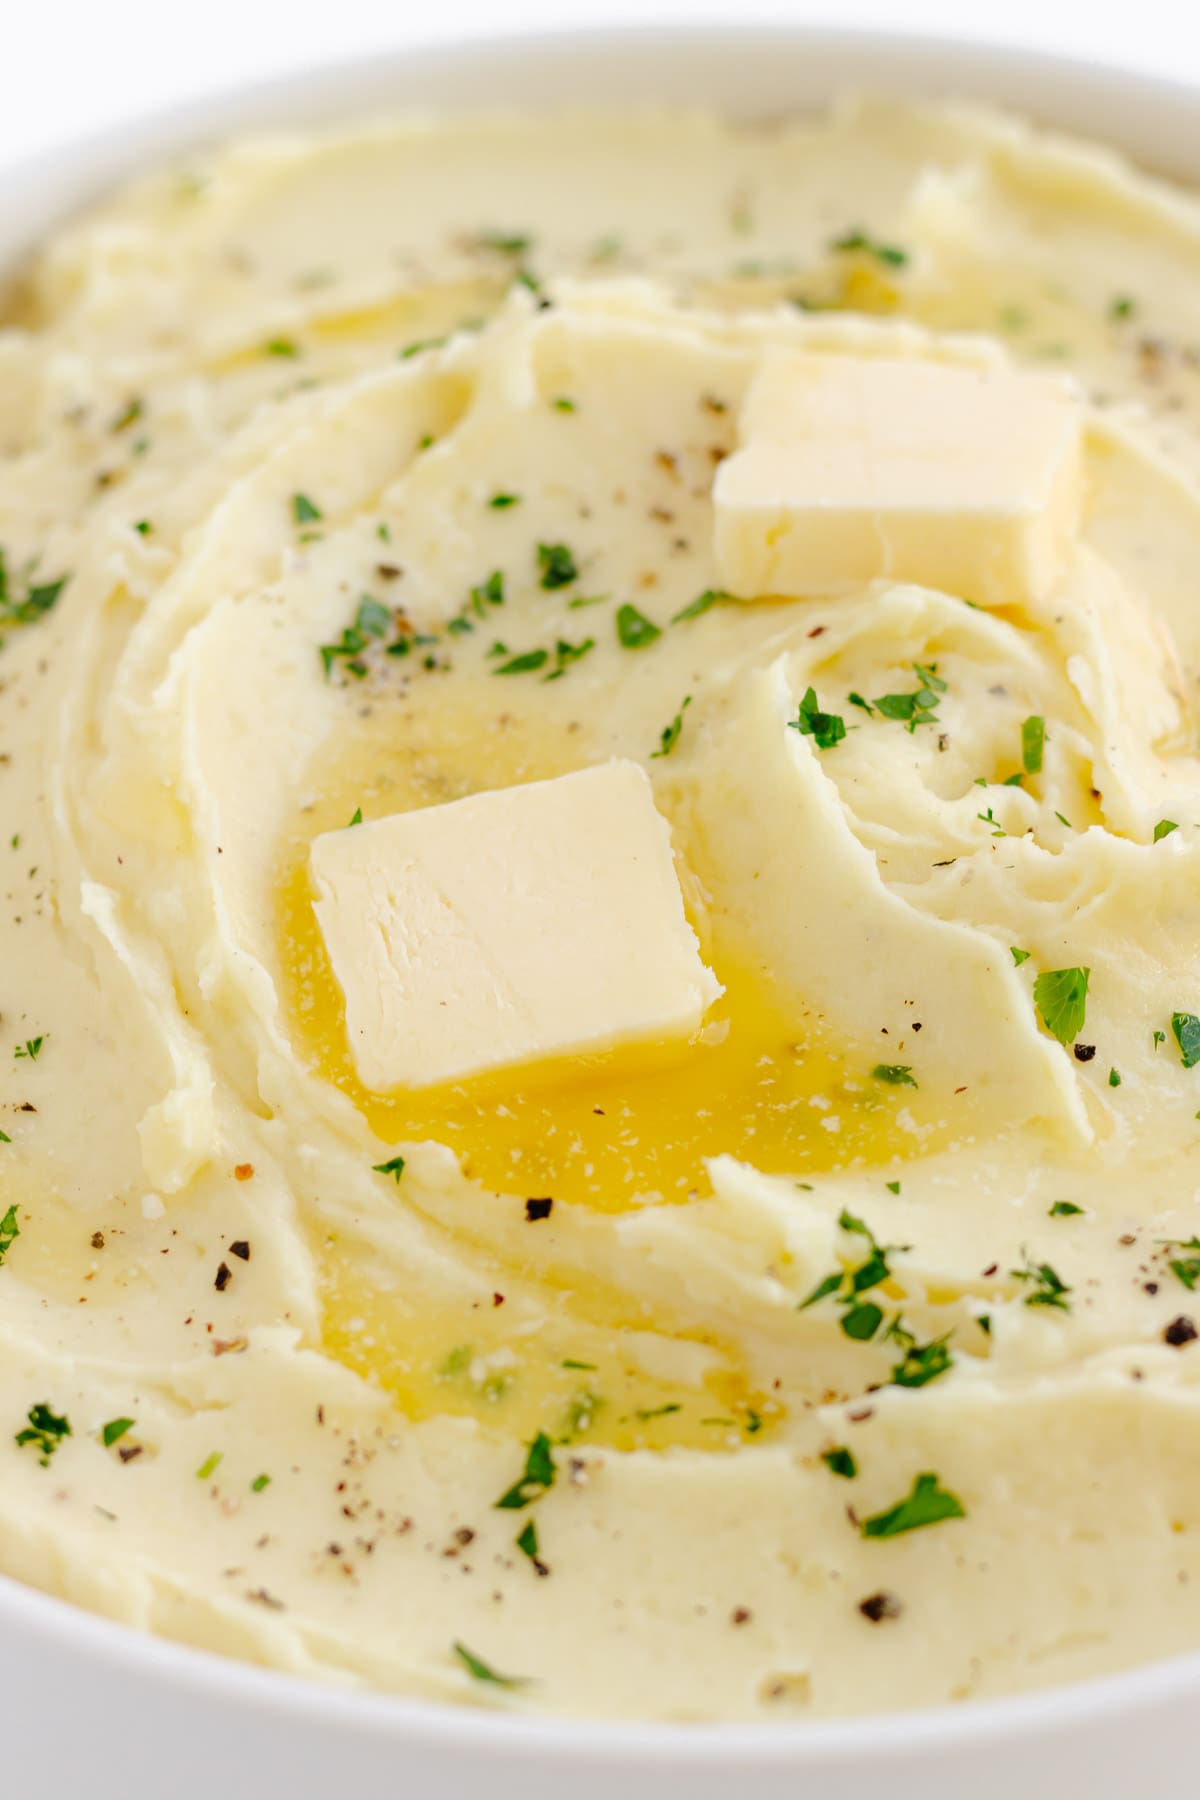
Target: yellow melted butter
610, 1132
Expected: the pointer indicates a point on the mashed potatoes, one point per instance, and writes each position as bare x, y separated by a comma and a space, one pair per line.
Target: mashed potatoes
829, 1344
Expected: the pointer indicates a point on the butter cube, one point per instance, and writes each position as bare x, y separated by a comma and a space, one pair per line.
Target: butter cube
855, 467
526, 923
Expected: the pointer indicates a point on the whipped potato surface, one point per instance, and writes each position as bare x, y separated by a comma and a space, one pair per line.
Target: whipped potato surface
600, 929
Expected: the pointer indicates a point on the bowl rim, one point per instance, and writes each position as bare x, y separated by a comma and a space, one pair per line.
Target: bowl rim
66, 177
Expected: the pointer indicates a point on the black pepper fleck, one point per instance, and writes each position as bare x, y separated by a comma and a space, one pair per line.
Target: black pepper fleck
1179, 1332
878, 1607
538, 1209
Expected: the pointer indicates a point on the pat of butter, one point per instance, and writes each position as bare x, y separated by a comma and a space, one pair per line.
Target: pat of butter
526, 923
852, 468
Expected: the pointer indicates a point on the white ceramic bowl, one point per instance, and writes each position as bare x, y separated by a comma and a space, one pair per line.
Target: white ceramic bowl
90, 1708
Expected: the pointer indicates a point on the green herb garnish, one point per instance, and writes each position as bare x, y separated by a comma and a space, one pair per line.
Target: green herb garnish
304, 510
1060, 996
669, 736
1019, 956
1033, 743
928, 1504
1064, 1209
825, 729
481, 1671
891, 255
537, 1480
701, 604
840, 1462
1049, 1289
895, 1074
10, 1229
1164, 828
556, 565
524, 664
634, 629
45, 1430
114, 1431
394, 1167
1185, 1029
919, 707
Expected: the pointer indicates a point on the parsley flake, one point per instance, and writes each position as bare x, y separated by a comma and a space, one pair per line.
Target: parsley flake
1033, 743
538, 1479
670, 734
928, 1504
1019, 956
114, 1431
556, 565
45, 1431
840, 1461
700, 605
825, 729
634, 630
525, 664
1060, 996
919, 707
856, 239
1049, 1288
501, 502
394, 1167
1185, 1029
895, 1074
1164, 828
1064, 1209
482, 1671
304, 510
10, 1231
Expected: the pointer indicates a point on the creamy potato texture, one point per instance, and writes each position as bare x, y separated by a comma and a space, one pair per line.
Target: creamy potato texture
852, 1364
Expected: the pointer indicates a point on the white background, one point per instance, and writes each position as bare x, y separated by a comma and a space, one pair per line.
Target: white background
71, 65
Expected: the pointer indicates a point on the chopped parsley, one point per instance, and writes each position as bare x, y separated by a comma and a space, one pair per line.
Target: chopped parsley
1121, 307
1185, 1029
501, 502
861, 1319
634, 629
488, 593
1060, 996
1114, 1078
562, 403
31, 1049
481, 1671
921, 1363
10, 1231
919, 707
1164, 828
1019, 956
128, 416
556, 565
419, 346
281, 346
259, 1483
895, 1074
840, 1461
527, 1542
1064, 1209
856, 239
304, 510
394, 1167
1033, 742
565, 654
114, 1431
928, 1504
670, 734
357, 817
45, 1431
825, 729
525, 664
538, 1479
505, 243
210, 1465
1186, 1268
1049, 1289
695, 608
